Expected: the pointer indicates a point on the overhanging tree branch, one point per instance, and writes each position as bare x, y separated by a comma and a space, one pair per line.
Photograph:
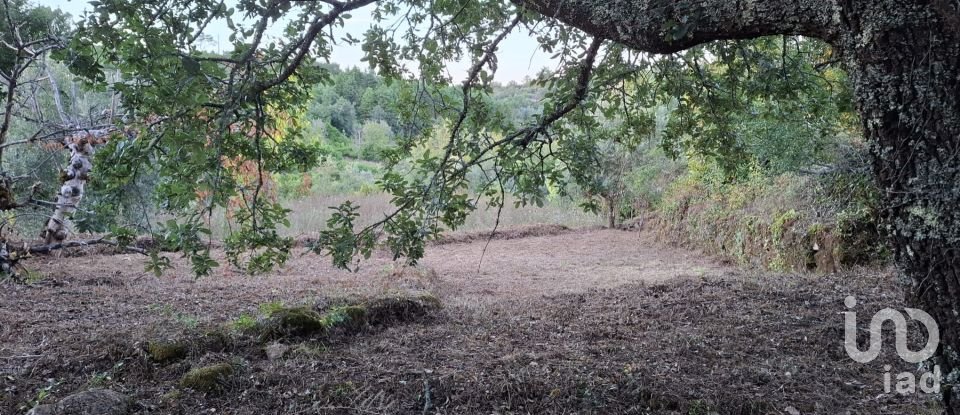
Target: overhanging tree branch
668, 26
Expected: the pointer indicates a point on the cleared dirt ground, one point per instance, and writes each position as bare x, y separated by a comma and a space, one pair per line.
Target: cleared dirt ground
552, 321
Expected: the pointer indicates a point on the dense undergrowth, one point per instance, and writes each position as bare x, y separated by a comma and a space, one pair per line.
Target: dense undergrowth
819, 221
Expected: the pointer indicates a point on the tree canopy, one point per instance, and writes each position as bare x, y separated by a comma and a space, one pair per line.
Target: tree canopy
193, 109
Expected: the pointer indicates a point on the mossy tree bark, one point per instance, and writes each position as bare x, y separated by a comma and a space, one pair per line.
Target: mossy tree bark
903, 58
905, 66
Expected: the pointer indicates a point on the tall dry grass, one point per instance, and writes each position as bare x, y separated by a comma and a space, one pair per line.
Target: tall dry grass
309, 214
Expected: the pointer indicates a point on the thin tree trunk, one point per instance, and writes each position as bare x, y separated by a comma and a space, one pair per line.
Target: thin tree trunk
55, 91
611, 213
71, 192
10, 100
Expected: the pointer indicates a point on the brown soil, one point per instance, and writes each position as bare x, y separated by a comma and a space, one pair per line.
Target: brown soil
594, 321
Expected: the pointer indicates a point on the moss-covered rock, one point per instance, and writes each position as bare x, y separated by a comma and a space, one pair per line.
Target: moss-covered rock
167, 351
207, 378
395, 309
387, 310
171, 397
293, 321
347, 318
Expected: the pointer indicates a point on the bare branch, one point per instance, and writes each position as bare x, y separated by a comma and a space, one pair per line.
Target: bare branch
46, 248
306, 41
58, 134
56, 97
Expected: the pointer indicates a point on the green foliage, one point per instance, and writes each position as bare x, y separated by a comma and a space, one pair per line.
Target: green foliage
256, 247
377, 138
216, 130
43, 393
850, 190
781, 222
244, 323
292, 186
120, 191
766, 99
751, 109
648, 181
338, 176
184, 237
340, 241
267, 309
338, 144
32, 23
38, 112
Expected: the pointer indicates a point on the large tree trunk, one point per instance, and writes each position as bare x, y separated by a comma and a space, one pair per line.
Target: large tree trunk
904, 62
903, 57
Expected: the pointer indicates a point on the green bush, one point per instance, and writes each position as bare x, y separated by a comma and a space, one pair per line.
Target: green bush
336, 144
334, 177
376, 139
